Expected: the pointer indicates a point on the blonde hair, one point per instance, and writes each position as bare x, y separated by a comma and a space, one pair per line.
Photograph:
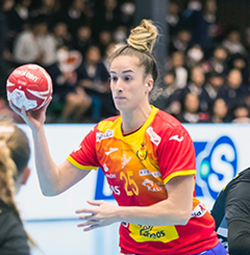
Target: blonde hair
14, 157
140, 44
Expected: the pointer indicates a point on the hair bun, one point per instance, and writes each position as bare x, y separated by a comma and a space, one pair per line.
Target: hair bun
143, 37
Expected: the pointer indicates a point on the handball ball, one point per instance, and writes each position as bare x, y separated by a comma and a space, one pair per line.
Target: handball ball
30, 86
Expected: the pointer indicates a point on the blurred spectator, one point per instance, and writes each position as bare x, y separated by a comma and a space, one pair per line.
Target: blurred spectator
219, 111
237, 61
74, 15
195, 56
234, 91
177, 65
17, 16
120, 34
190, 112
105, 38
83, 40
181, 42
164, 100
36, 45
62, 35
195, 86
127, 13
214, 82
218, 62
93, 77
173, 18
233, 43
70, 102
49, 9
241, 113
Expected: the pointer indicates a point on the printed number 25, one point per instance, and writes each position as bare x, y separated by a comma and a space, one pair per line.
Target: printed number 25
129, 182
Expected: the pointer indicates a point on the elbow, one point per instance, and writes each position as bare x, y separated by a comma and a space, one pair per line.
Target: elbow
184, 217
50, 192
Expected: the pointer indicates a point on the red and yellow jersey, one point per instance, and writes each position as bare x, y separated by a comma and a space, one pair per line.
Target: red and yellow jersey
137, 167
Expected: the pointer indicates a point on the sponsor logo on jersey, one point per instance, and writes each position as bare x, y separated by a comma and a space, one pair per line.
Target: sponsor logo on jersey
125, 160
111, 150
108, 134
145, 172
142, 152
154, 138
115, 190
105, 168
177, 138
111, 176
152, 186
199, 211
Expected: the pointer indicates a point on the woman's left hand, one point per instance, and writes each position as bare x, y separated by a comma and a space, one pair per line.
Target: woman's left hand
103, 214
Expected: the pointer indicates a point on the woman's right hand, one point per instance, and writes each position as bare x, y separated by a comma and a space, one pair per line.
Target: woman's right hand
34, 119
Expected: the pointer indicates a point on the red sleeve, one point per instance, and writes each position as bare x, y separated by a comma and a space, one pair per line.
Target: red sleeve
84, 157
176, 154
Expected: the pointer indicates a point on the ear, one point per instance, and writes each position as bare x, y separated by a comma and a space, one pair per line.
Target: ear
25, 175
149, 85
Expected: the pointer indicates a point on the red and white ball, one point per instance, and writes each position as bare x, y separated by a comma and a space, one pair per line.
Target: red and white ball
30, 86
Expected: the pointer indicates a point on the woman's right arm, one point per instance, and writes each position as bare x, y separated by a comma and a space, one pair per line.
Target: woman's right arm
53, 179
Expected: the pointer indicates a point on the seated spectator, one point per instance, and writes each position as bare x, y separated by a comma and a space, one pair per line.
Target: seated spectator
190, 112
73, 13
36, 45
70, 101
93, 77
177, 65
181, 42
49, 9
62, 35
219, 111
217, 62
195, 86
163, 101
234, 44
241, 113
234, 90
105, 38
195, 56
14, 172
83, 39
212, 86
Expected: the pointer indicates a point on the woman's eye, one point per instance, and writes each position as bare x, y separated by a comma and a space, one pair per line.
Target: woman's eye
128, 78
113, 78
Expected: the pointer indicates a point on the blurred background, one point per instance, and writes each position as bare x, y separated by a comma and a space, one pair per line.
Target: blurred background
203, 56
202, 51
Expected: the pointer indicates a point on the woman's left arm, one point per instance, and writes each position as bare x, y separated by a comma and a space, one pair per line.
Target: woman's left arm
175, 210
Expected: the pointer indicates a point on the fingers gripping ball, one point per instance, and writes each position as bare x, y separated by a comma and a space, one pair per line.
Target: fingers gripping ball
30, 86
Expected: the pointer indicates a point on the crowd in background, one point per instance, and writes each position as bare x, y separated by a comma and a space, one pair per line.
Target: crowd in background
206, 74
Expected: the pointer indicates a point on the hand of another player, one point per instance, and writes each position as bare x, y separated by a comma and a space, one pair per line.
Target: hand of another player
103, 214
34, 119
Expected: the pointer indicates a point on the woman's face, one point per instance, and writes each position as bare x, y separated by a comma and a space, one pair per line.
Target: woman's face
127, 83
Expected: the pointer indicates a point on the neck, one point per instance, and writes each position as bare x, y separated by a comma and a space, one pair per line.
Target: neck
133, 120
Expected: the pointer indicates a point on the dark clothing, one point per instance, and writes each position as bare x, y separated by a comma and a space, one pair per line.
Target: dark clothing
13, 239
233, 203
